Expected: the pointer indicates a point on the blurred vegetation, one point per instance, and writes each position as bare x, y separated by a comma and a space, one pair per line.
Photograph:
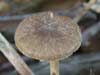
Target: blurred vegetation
18, 7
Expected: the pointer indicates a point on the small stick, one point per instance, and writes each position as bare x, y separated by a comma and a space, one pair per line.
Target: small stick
11, 54
84, 9
54, 67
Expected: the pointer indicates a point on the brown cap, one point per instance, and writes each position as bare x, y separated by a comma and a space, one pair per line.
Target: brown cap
47, 36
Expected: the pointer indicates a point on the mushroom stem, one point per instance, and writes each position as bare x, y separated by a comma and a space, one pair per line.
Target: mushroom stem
11, 54
54, 67
84, 9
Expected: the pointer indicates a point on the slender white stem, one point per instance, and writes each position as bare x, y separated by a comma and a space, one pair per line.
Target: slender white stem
14, 58
54, 67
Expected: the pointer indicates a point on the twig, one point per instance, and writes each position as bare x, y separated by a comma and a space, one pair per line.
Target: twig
84, 9
11, 54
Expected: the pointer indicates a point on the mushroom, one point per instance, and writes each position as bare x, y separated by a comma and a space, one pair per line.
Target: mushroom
48, 36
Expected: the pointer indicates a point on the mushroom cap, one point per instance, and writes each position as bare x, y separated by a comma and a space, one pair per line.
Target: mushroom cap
48, 36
